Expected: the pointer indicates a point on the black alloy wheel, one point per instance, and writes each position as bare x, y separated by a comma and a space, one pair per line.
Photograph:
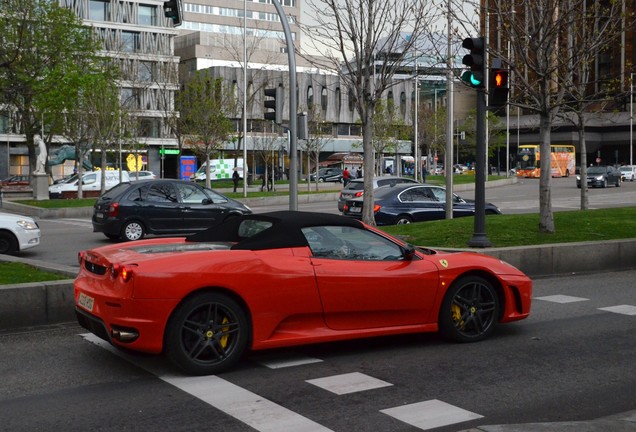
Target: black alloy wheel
207, 334
470, 310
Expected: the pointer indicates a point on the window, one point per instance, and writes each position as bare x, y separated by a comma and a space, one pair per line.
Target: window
323, 99
145, 71
338, 102
417, 195
149, 127
190, 194
159, 193
350, 243
147, 15
403, 103
310, 97
130, 41
99, 10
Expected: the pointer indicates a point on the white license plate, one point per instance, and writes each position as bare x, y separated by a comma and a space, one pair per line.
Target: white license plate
355, 210
99, 215
86, 302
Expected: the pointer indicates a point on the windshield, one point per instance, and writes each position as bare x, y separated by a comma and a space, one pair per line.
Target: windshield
526, 158
596, 170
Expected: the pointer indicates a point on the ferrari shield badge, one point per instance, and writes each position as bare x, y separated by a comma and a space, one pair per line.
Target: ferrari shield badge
444, 263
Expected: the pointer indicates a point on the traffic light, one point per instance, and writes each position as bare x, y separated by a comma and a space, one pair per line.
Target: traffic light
475, 60
498, 85
276, 104
172, 9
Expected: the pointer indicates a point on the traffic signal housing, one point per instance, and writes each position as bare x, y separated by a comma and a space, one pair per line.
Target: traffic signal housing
172, 10
498, 85
275, 104
475, 61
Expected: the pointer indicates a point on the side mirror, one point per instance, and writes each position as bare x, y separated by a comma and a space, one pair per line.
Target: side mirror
206, 201
408, 252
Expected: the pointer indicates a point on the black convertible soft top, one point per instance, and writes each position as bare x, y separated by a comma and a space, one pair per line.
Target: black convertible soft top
284, 232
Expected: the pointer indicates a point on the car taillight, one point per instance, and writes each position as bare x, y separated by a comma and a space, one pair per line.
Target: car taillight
376, 208
346, 207
121, 271
359, 194
113, 210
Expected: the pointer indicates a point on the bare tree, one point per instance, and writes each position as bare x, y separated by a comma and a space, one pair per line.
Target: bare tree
366, 41
544, 51
265, 147
586, 91
316, 140
202, 106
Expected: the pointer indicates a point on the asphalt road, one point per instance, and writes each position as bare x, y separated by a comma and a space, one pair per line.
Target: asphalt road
571, 360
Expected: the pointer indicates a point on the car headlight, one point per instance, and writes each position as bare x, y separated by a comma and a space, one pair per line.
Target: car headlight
578, 178
599, 177
27, 225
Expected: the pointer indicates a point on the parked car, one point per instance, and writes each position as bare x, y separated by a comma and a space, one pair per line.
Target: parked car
16, 180
601, 176
278, 279
327, 175
91, 181
129, 211
628, 172
402, 204
17, 233
141, 175
355, 188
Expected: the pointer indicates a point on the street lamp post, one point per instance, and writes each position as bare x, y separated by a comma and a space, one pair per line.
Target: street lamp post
631, 117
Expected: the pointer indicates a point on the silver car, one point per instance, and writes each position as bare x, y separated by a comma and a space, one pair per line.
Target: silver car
355, 188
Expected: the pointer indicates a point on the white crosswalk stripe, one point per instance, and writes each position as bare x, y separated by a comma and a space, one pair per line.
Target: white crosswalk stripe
267, 416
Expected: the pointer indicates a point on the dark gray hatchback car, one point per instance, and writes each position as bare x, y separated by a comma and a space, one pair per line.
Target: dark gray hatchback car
129, 211
355, 188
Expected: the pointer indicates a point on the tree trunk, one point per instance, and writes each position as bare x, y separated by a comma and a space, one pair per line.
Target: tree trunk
583, 170
368, 164
546, 218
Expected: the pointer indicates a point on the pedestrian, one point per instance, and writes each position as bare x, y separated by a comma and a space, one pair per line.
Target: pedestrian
346, 176
423, 174
235, 178
359, 173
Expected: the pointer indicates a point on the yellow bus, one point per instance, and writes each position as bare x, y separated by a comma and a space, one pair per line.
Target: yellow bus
562, 160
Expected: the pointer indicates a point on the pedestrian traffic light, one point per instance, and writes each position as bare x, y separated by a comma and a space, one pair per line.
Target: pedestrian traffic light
475, 60
275, 104
498, 85
172, 9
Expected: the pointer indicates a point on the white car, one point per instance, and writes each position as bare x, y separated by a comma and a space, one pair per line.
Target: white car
141, 175
628, 172
17, 233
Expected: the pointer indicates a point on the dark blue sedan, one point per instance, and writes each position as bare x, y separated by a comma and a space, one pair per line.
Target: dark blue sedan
402, 204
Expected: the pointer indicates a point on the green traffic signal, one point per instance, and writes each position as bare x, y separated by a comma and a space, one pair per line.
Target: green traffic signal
471, 79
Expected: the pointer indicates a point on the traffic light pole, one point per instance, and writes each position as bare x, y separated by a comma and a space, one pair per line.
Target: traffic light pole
293, 109
479, 238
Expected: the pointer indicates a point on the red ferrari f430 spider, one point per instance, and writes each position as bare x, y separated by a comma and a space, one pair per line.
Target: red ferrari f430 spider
287, 278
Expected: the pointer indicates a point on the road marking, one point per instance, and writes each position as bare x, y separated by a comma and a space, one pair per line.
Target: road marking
561, 299
278, 361
266, 416
250, 408
430, 414
349, 383
621, 309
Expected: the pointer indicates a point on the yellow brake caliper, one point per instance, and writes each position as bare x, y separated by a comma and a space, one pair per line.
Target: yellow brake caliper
456, 314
